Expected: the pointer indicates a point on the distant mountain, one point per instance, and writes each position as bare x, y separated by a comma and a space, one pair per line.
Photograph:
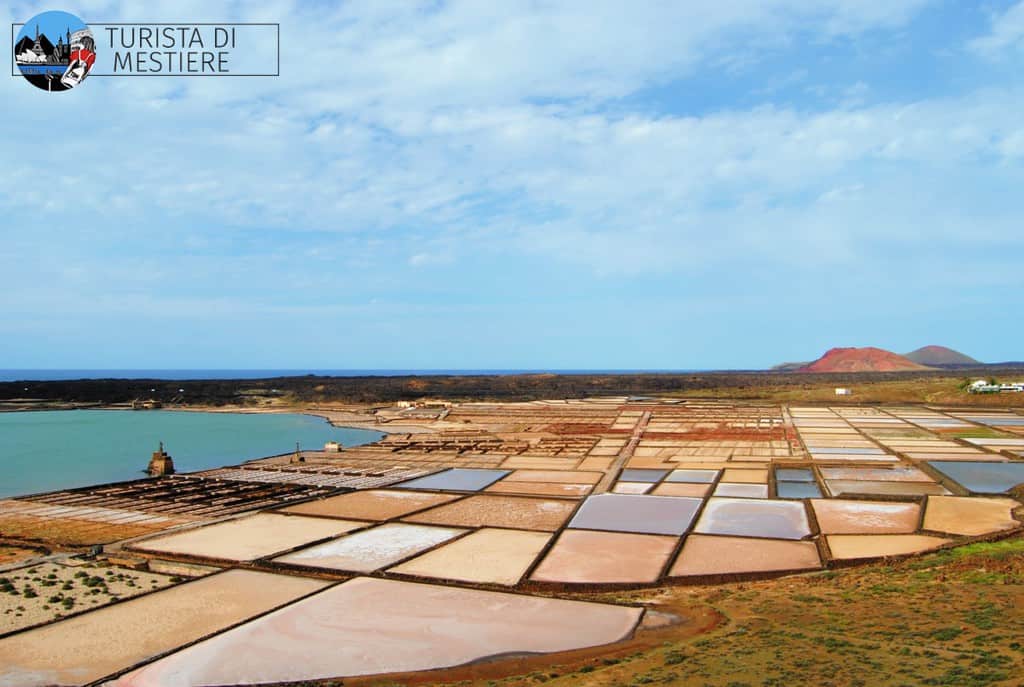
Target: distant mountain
866, 359
788, 367
940, 355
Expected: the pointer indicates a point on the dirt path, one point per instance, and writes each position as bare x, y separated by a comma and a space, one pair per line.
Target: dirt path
624, 455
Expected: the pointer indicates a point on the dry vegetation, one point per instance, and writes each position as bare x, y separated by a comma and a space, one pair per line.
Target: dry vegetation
911, 389
930, 386
46, 592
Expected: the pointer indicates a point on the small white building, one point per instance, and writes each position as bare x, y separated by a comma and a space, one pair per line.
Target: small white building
843, 391
332, 447
981, 386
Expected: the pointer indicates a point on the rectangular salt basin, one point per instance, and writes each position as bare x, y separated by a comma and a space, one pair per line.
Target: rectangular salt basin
368, 626
932, 457
373, 504
710, 555
1002, 421
698, 476
847, 450
894, 474
794, 474
838, 487
797, 490
629, 513
997, 442
487, 556
854, 546
745, 476
563, 489
865, 517
983, 477
88, 647
970, 516
495, 510
456, 479
754, 518
632, 487
587, 557
371, 549
247, 539
682, 489
853, 458
750, 491
641, 475
553, 476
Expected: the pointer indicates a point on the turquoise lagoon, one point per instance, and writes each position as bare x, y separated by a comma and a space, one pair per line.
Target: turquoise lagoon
49, 450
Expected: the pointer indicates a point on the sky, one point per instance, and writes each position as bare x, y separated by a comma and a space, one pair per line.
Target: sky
55, 25
526, 185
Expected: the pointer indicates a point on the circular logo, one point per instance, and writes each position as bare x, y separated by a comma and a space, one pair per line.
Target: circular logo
55, 51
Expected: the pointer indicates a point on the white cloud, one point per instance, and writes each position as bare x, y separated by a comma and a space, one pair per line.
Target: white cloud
437, 127
1006, 33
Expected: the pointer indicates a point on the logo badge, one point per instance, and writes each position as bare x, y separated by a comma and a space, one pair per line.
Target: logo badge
55, 51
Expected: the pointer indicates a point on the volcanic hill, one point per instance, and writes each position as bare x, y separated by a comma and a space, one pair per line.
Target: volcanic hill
940, 355
867, 359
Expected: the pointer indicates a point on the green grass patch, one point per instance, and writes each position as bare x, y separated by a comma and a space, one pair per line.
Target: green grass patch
946, 634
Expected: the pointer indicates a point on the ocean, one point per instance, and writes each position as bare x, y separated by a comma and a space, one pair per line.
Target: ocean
50, 450
42, 375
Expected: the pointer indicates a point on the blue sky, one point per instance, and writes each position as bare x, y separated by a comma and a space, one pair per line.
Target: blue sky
54, 24
527, 185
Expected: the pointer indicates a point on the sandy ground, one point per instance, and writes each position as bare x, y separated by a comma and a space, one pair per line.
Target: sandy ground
49, 591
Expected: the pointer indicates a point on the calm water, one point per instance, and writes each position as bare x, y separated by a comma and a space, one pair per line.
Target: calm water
48, 450
38, 375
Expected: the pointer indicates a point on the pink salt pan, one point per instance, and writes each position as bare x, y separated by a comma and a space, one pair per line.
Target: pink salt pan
853, 546
487, 556
896, 474
494, 510
708, 555
767, 518
969, 516
572, 476
587, 557
631, 487
374, 504
865, 517
369, 626
750, 491
681, 489
561, 489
